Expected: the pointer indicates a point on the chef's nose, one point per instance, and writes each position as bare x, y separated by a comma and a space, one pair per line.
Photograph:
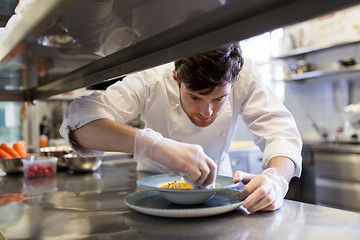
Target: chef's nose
206, 110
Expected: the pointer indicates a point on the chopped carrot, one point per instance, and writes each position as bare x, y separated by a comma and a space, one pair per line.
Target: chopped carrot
4, 146
4, 154
20, 149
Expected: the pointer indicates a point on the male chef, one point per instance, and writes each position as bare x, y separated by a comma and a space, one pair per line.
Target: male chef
190, 109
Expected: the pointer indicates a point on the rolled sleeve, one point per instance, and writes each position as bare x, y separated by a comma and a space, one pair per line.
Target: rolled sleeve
121, 102
82, 111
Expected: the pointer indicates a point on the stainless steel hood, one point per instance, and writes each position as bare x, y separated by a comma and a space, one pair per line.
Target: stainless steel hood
228, 22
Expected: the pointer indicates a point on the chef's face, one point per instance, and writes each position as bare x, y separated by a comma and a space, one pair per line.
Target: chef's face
202, 109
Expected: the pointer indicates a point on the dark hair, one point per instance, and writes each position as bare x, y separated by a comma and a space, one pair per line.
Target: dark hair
212, 69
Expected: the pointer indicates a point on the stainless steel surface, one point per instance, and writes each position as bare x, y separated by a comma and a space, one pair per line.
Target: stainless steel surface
337, 175
234, 21
91, 206
335, 147
82, 164
7, 8
345, 166
338, 193
311, 49
11, 165
30, 27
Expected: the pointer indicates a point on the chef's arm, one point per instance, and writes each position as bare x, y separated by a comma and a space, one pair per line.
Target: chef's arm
105, 135
284, 165
187, 160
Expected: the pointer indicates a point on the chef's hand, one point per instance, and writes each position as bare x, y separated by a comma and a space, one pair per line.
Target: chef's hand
187, 160
263, 192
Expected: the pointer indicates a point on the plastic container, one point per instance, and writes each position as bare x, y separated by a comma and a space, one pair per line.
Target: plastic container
36, 185
39, 166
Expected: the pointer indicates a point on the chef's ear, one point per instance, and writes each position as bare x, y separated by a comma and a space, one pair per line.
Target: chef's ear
175, 78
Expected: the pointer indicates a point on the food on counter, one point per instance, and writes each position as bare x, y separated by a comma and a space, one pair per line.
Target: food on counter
4, 154
39, 167
17, 151
4, 146
37, 170
20, 149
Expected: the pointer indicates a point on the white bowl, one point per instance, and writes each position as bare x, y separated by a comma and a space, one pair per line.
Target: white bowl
185, 196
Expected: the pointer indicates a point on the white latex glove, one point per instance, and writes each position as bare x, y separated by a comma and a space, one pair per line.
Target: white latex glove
264, 192
187, 160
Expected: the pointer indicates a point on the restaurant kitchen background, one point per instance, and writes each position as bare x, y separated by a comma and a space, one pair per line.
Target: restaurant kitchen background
312, 66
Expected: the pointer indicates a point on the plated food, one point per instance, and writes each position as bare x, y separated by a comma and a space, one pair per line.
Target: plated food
178, 185
185, 196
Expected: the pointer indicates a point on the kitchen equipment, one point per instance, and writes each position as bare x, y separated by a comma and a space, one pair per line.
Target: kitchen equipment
56, 151
350, 132
185, 196
352, 113
11, 165
337, 175
82, 164
346, 62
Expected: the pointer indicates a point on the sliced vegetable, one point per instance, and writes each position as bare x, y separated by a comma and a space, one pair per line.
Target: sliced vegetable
20, 149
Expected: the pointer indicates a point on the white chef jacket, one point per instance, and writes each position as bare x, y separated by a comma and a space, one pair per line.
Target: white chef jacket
154, 95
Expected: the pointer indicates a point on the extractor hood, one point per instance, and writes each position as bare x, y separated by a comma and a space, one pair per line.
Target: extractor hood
153, 32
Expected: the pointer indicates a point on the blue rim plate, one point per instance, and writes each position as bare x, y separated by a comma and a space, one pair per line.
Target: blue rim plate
153, 182
153, 203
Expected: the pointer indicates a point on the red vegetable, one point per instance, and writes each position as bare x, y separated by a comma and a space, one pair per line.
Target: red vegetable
40, 170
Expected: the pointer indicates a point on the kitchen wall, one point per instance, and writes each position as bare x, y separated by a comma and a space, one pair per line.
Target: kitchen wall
320, 99
317, 99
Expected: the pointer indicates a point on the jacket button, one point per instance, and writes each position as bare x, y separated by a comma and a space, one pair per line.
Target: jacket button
177, 106
223, 134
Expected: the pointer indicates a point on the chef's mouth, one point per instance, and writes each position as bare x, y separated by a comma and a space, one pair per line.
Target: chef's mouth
203, 119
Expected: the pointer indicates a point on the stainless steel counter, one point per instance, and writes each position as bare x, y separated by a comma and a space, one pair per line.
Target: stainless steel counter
91, 206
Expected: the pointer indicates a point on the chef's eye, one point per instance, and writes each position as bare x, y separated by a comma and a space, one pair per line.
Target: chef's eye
220, 99
194, 98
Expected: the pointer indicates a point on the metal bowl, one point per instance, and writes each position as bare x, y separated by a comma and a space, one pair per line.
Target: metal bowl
58, 152
82, 164
11, 165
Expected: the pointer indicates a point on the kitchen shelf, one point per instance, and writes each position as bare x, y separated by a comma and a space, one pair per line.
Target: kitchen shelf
34, 20
312, 49
234, 21
323, 74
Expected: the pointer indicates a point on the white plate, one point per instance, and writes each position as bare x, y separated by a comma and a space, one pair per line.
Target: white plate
152, 202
